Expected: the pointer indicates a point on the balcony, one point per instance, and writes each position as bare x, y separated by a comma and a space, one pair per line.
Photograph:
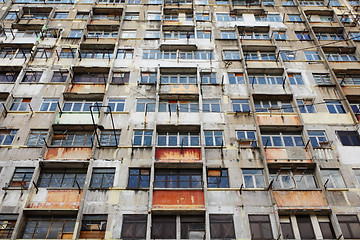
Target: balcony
55, 199
76, 118
178, 200
178, 155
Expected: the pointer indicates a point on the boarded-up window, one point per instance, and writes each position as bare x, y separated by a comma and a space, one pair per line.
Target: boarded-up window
192, 227
350, 226
222, 226
134, 226
93, 226
260, 227
305, 227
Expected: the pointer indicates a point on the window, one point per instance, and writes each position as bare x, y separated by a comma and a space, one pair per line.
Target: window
253, 178
305, 227
293, 179
198, 55
236, 78
231, 55
211, 106
350, 226
202, 17
286, 227
20, 104
295, 79
104, 53
101, 34
154, 16
59, 178
294, 18
102, 178
8, 77
357, 174
178, 106
214, 138
171, 17
256, 56
312, 56
226, 17
260, 227
7, 136
322, 79
349, 79
61, 15
93, 226
282, 139
142, 138
125, 54
287, 3
184, 178
329, 36
333, 178
11, 16
311, 3
67, 53
268, 3
222, 2
134, 226
80, 106
82, 15
318, 138
120, 77
217, 178
32, 76
7, 223
72, 139
49, 104
273, 106
325, 18
240, 105
139, 178
36, 138
244, 137
268, 18
178, 139
22, 177
47, 227
179, 34
90, 78
131, 16
75, 33
128, 34
306, 106
178, 79
116, 105
208, 78
192, 227
228, 35
163, 227
59, 76
109, 138
148, 78
326, 227
280, 35
335, 3
303, 35
254, 35
335, 106
355, 36
145, 105
287, 55
341, 57
266, 79
43, 53
23, 53
203, 34
222, 226
349, 138
152, 34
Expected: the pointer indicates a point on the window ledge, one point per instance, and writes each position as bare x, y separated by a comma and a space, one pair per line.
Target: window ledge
298, 189
49, 112
52, 146
150, 84
337, 189
239, 113
19, 112
124, 112
222, 189
214, 147
178, 189
62, 188
101, 188
26, 146
138, 189
14, 188
179, 147
141, 146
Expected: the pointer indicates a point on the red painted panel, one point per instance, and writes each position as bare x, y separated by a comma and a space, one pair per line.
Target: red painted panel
178, 155
178, 199
59, 199
68, 153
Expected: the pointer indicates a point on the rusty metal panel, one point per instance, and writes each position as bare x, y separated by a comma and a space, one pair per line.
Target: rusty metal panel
278, 120
280, 155
179, 199
59, 199
180, 89
68, 153
178, 155
300, 199
86, 88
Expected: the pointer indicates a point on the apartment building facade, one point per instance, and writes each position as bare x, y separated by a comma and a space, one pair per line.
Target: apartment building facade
179, 119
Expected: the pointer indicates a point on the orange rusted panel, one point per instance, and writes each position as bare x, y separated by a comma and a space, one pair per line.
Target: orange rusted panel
275, 153
279, 155
86, 88
59, 199
178, 155
178, 199
68, 153
278, 120
192, 89
303, 199
67, 236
